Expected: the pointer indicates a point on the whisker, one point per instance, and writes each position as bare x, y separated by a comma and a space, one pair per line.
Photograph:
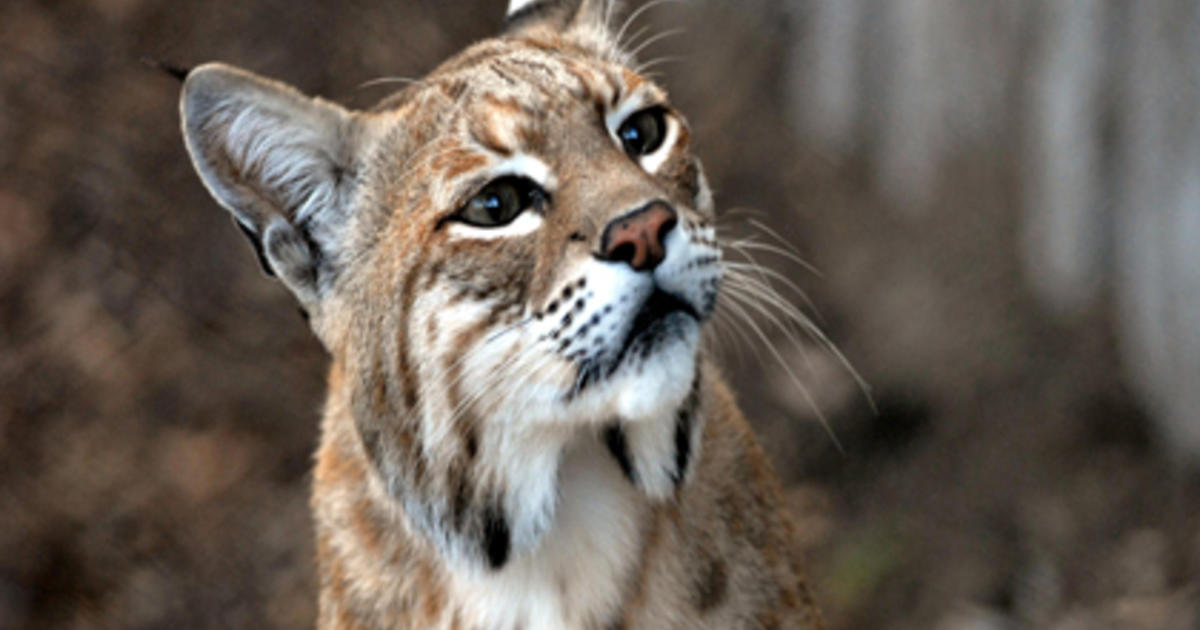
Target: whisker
608, 13
387, 80
793, 324
750, 243
634, 37
500, 333
650, 41
657, 61
734, 310
768, 295
636, 14
768, 276
766, 342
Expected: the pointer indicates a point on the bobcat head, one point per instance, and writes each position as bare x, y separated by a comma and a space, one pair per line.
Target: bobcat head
511, 254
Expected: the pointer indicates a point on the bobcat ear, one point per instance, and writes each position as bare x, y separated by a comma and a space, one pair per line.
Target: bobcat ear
581, 17
279, 161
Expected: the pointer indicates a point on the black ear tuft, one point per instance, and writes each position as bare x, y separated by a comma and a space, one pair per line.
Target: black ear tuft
180, 73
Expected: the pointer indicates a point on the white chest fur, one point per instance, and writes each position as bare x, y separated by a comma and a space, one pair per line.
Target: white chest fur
574, 578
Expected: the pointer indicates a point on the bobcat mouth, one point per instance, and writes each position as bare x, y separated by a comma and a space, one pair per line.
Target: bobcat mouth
654, 312
660, 314
660, 318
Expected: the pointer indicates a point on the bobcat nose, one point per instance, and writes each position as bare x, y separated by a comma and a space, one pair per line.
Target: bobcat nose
637, 238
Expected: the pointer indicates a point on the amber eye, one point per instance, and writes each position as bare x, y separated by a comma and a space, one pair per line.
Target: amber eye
643, 132
501, 201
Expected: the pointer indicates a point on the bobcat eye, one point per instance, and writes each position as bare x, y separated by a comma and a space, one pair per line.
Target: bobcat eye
501, 201
643, 132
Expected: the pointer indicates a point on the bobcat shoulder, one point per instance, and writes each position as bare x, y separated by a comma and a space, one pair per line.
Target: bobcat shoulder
511, 263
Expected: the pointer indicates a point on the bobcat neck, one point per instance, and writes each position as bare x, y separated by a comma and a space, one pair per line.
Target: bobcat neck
578, 576
717, 550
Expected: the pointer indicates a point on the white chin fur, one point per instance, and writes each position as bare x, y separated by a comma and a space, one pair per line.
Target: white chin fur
657, 387
644, 392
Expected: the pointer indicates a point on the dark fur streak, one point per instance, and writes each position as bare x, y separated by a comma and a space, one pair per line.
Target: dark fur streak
497, 540
712, 585
683, 444
461, 498
614, 438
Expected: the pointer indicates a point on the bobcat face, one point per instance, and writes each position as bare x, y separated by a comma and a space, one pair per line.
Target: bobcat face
565, 224
516, 249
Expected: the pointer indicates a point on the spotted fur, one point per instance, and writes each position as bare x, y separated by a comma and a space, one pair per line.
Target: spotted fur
522, 428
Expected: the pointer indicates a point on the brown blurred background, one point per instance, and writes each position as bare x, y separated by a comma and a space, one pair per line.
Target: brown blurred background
1002, 196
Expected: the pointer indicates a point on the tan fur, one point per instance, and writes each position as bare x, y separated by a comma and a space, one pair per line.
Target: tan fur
465, 444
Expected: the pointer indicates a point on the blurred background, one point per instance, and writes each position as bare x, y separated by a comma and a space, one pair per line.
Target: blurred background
1002, 198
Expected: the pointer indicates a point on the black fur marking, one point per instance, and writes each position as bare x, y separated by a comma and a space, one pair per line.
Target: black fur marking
614, 438
712, 585
258, 248
497, 540
683, 445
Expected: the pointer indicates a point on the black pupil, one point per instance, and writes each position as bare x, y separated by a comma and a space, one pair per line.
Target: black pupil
642, 133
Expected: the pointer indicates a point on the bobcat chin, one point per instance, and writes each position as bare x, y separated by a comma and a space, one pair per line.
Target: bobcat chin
511, 263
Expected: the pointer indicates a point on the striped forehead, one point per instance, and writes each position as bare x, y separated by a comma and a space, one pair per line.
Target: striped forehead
500, 100
521, 84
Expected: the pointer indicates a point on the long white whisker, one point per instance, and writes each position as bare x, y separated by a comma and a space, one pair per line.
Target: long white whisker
756, 300
768, 295
385, 80
650, 41
608, 13
636, 14
762, 336
634, 37
768, 276
788, 325
751, 244
737, 311
657, 61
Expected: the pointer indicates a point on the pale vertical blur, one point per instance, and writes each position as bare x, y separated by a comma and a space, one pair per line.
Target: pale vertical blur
1101, 101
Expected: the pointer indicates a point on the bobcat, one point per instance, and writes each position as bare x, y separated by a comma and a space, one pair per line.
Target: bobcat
510, 262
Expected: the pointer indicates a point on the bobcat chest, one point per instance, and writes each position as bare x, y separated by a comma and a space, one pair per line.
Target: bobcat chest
576, 577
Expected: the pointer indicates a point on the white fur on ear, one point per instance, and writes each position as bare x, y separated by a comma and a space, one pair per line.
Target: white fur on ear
516, 6
275, 158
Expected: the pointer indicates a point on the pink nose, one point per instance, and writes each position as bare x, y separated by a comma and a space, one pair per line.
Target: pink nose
637, 238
